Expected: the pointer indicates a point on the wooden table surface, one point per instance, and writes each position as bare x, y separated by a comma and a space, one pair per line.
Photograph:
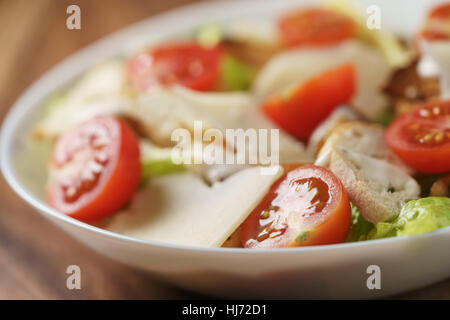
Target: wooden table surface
34, 254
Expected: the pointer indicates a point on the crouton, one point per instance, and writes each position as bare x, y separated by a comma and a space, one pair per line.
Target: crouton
377, 182
377, 187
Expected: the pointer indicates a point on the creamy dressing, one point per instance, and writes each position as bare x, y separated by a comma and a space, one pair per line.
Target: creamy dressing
388, 177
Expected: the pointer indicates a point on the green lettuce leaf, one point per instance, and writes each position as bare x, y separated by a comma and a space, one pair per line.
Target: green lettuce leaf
417, 216
235, 75
156, 162
360, 227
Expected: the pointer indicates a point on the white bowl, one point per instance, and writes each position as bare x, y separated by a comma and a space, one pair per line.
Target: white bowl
332, 271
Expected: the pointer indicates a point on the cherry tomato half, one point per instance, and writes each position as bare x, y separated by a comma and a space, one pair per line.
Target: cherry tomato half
315, 27
95, 169
188, 64
301, 110
421, 137
307, 206
437, 25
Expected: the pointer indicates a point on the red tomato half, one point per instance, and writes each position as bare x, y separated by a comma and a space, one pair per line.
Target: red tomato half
95, 169
315, 27
300, 111
421, 137
307, 206
441, 12
437, 25
188, 64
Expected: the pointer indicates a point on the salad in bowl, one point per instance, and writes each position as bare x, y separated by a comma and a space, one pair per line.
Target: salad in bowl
358, 120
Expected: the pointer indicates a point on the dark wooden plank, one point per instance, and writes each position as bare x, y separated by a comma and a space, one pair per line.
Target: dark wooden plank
34, 253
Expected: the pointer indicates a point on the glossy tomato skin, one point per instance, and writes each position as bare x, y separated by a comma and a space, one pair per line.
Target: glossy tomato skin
421, 137
315, 27
300, 111
104, 149
307, 206
437, 24
187, 64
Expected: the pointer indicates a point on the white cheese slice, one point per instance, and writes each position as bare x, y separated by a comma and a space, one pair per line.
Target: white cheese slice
160, 111
98, 92
298, 65
182, 209
239, 110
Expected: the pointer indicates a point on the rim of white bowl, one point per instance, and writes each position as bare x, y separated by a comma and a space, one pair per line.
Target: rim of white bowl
78, 62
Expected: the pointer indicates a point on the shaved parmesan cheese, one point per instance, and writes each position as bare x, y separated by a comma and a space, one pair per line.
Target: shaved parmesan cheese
226, 107
182, 209
97, 92
162, 110
239, 110
298, 65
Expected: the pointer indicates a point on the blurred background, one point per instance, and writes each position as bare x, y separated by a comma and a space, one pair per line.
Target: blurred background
34, 254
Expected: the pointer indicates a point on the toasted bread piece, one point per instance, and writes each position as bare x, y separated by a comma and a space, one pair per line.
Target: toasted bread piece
377, 182
376, 186
321, 133
441, 188
364, 138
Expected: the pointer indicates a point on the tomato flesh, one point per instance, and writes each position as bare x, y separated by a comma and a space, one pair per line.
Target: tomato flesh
437, 25
421, 137
306, 206
187, 64
95, 169
301, 110
315, 27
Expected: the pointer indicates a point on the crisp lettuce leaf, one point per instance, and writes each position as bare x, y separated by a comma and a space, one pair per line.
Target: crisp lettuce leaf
386, 117
417, 216
235, 75
156, 162
359, 228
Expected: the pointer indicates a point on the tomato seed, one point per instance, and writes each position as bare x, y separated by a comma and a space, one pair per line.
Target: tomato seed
265, 214
424, 113
436, 111
262, 236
